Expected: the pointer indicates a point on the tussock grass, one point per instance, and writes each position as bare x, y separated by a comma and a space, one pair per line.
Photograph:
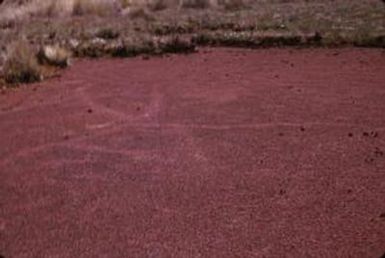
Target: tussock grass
133, 48
158, 5
22, 65
95, 7
232, 5
176, 44
196, 4
252, 40
58, 8
54, 55
107, 33
139, 12
229, 5
126, 3
136, 46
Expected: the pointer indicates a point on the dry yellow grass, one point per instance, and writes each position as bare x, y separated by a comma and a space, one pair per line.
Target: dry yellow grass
22, 65
58, 8
54, 55
63, 8
25, 64
96, 7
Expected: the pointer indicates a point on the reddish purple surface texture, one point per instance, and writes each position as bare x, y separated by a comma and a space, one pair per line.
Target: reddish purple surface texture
225, 153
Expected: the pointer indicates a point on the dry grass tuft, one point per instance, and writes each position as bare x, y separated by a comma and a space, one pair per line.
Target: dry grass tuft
232, 5
54, 56
157, 5
153, 5
107, 33
138, 12
54, 8
58, 8
22, 65
126, 3
95, 7
25, 65
195, 4
176, 44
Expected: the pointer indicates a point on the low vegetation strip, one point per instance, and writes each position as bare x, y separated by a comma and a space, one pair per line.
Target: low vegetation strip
52, 32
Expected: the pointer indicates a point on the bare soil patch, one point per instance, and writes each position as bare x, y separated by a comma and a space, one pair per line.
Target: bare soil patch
223, 153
